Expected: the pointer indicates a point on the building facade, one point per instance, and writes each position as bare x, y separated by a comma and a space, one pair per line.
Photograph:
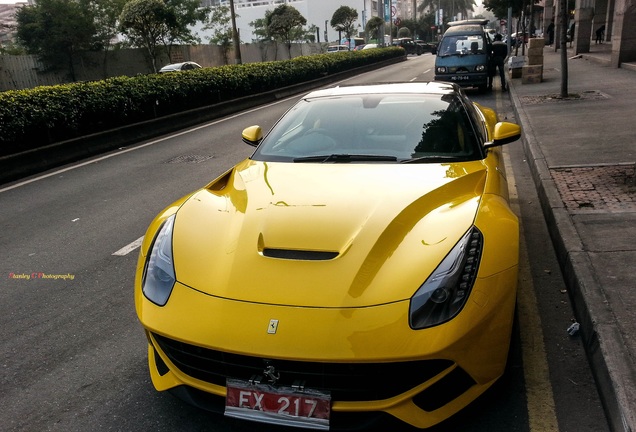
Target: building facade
317, 12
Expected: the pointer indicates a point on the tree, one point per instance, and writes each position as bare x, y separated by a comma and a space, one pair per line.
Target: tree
220, 22
450, 7
403, 32
106, 14
151, 24
285, 24
146, 23
312, 33
55, 30
421, 29
499, 8
260, 30
343, 19
373, 28
184, 15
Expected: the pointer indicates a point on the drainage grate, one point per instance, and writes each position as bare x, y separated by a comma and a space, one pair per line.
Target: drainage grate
191, 159
597, 188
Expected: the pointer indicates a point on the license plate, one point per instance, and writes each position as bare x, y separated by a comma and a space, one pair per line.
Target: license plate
287, 406
460, 78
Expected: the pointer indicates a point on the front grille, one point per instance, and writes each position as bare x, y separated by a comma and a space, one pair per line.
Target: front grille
345, 381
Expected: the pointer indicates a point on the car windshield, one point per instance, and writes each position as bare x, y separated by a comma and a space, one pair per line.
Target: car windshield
373, 128
462, 45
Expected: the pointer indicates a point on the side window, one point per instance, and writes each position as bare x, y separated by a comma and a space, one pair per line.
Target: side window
478, 121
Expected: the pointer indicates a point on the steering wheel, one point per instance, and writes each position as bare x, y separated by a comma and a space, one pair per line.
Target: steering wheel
318, 139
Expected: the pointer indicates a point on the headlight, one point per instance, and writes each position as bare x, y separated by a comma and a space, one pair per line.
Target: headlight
159, 276
480, 68
445, 292
441, 69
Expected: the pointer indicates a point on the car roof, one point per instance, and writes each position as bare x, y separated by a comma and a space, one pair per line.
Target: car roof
481, 22
465, 29
180, 64
432, 87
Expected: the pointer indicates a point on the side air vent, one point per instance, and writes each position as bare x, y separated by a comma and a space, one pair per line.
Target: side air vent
302, 255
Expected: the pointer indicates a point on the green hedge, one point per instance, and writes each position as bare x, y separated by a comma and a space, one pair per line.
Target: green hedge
43, 115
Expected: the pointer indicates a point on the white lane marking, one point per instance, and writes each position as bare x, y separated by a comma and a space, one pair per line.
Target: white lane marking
129, 247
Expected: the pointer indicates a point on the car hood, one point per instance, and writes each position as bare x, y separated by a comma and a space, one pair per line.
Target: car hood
324, 235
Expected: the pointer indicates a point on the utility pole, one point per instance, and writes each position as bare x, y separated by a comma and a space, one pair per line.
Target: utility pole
326, 35
235, 36
381, 12
390, 22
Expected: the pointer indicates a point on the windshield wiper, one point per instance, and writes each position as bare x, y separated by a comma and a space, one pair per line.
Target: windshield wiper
346, 158
431, 159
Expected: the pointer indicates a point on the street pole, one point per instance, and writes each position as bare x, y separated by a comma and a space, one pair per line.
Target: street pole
235, 36
381, 31
390, 22
326, 36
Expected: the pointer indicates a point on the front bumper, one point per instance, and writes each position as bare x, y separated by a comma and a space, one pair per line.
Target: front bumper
379, 364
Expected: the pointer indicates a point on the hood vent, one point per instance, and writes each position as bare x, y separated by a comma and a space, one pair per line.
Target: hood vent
302, 255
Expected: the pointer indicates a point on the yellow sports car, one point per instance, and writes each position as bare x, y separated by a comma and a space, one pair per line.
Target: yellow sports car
362, 260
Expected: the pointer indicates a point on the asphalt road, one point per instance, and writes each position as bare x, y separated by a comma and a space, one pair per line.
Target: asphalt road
73, 355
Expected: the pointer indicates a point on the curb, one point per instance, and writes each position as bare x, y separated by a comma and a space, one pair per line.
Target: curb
30, 162
603, 342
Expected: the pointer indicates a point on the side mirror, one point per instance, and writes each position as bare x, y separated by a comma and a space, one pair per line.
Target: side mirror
505, 133
252, 135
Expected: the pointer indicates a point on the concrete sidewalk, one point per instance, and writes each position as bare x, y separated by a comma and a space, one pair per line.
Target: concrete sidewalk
582, 154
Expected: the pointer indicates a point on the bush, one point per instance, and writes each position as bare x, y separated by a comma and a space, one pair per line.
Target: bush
43, 115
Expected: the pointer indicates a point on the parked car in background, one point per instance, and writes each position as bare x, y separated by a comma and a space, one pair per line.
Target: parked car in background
409, 45
337, 48
427, 46
370, 46
517, 38
176, 67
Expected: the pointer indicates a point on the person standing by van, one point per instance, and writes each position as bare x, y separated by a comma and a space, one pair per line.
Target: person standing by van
499, 52
551, 33
600, 34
